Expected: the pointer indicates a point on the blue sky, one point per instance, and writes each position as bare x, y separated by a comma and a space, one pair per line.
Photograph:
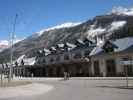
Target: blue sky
35, 15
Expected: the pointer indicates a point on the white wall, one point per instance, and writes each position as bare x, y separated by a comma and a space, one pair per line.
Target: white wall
119, 67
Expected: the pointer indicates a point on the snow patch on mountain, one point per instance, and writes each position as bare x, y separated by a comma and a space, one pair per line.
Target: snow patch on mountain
4, 42
97, 31
122, 11
65, 25
3, 45
116, 25
92, 32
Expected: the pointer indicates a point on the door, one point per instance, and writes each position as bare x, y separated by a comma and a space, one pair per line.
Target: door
96, 68
111, 68
128, 69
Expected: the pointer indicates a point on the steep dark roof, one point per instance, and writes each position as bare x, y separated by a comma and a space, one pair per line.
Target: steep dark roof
88, 42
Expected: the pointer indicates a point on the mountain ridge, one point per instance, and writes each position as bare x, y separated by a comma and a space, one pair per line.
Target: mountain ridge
32, 44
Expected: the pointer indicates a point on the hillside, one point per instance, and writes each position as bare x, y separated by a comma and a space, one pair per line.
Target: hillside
111, 26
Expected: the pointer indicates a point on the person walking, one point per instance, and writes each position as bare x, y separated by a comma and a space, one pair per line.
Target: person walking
65, 75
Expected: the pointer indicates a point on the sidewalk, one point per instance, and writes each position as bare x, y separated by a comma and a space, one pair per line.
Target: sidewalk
74, 78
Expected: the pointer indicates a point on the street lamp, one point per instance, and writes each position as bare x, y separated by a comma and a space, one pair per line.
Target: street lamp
11, 52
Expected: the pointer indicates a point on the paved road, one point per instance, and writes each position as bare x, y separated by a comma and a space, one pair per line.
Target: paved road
75, 89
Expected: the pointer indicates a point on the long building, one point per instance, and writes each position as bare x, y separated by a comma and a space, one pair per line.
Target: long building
108, 58
72, 58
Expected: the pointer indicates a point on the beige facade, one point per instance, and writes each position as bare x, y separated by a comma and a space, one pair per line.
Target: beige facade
113, 64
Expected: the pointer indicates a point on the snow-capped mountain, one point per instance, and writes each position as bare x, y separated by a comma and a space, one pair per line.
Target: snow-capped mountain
64, 25
114, 25
3, 45
122, 11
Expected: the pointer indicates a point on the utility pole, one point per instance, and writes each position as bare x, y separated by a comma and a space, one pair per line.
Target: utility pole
127, 76
11, 52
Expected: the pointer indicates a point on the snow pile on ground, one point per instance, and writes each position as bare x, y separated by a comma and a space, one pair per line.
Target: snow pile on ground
26, 90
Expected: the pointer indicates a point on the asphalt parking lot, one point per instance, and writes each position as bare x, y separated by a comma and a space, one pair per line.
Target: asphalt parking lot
81, 89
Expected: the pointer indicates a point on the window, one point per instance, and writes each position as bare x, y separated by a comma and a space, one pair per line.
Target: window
86, 54
77, 55
96, 68
126, 59
57, 58
44, 60
51, 60
66, 57
111, 67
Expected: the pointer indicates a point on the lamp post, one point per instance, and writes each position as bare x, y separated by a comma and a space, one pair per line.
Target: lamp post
11, 52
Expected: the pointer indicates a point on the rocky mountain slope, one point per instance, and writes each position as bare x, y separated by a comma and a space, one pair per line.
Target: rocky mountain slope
114, 25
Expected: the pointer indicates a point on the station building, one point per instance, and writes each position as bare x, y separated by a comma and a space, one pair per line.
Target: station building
109, 58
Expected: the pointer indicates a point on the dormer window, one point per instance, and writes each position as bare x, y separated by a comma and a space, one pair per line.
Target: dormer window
109, 47
88, 42
77, 55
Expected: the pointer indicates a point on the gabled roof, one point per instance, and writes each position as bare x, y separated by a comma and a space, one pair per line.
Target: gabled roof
109, 44
61, 45
27, 61
122, 44
79, 43
128, 50
88, 42
69, 46
47, 51
52, 49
